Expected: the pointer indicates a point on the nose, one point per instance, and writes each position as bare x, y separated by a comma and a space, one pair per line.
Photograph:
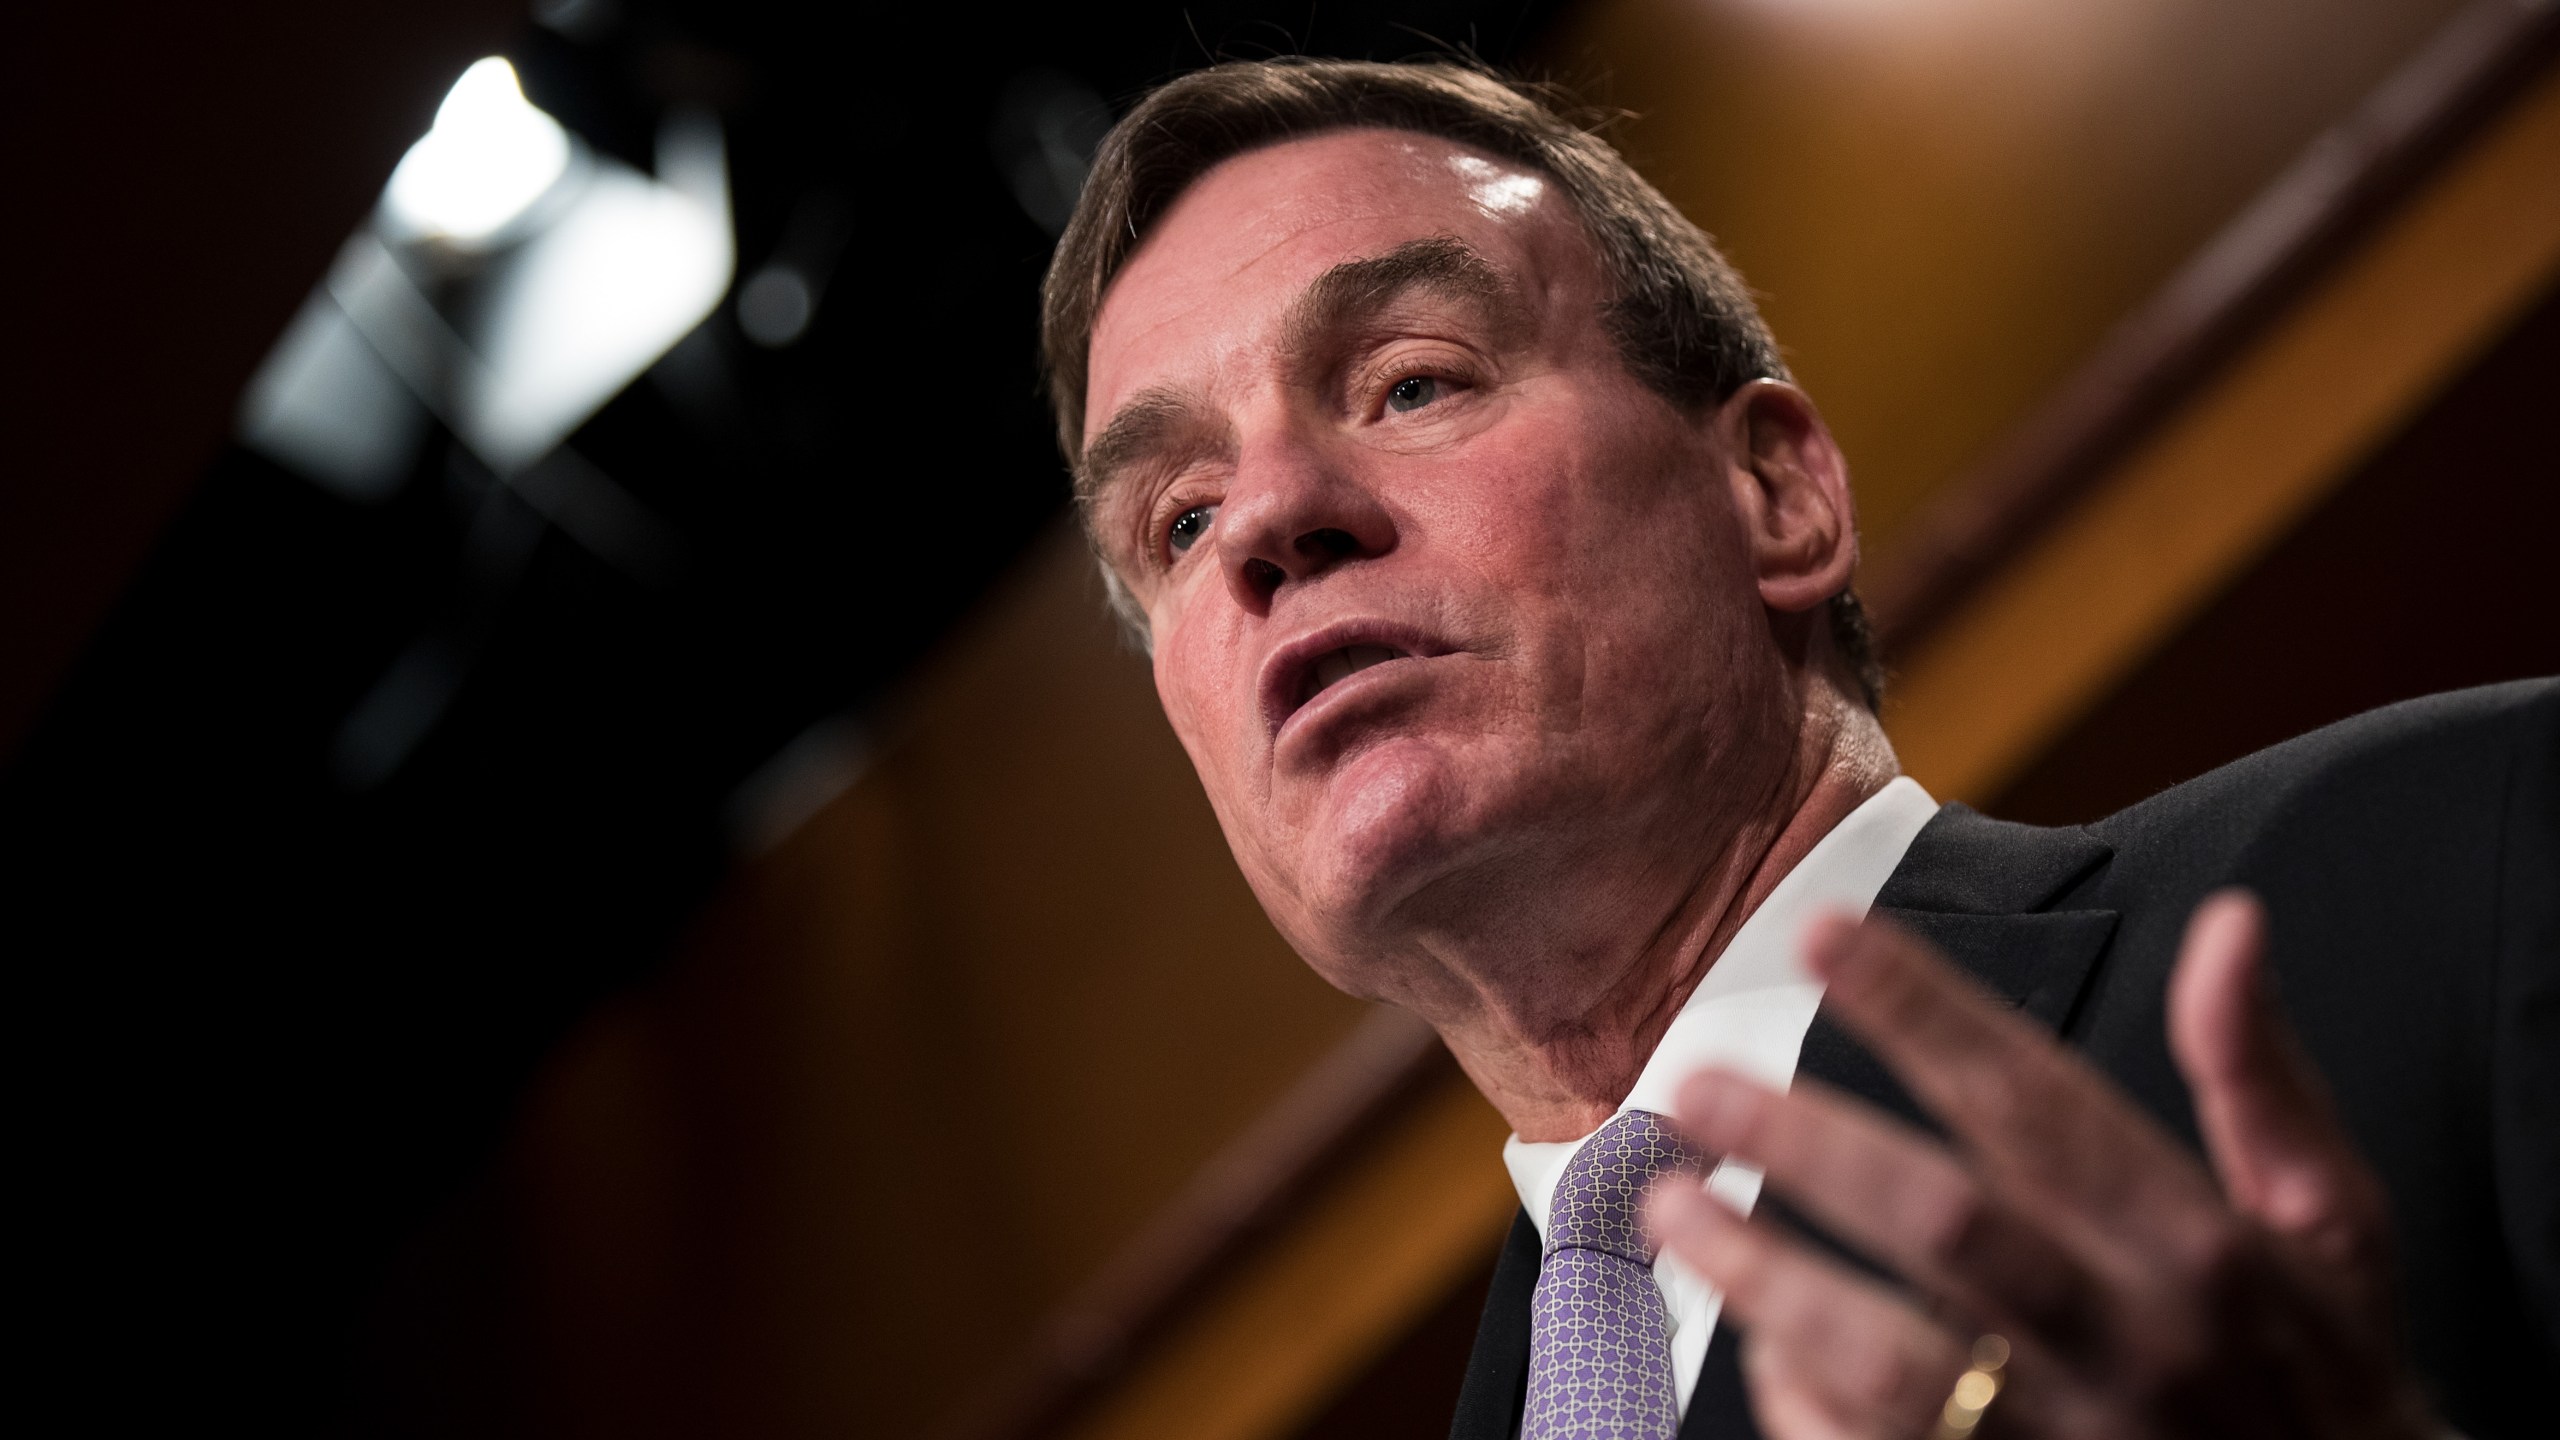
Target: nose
1293, 513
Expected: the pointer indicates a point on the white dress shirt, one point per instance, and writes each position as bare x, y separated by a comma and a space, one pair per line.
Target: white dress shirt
1750, 1015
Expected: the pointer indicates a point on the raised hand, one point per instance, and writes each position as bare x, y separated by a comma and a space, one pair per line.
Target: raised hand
2131, 1292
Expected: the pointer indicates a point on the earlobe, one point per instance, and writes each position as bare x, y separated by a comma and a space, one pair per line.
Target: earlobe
1793, 495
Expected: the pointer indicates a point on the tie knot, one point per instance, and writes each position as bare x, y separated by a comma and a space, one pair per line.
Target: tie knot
1595, 1204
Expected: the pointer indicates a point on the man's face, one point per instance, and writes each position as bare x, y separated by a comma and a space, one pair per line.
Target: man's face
1444, 601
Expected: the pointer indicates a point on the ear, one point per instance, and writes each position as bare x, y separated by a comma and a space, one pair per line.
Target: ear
1791, 490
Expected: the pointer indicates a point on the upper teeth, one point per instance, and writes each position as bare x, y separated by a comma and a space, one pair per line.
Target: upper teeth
1349, 660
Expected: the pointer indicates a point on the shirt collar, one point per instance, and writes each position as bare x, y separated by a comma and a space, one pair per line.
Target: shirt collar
1751, 1010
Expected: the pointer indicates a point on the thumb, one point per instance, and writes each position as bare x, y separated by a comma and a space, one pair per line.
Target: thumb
2273, 1136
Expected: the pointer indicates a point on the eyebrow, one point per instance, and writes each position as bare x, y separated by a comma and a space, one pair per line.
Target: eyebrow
1155, 421
1443, 265
1342, 297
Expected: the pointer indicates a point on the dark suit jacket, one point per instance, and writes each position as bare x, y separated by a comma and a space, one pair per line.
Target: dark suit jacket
2410, 860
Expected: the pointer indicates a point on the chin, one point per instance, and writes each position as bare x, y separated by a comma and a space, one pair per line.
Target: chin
1394, 819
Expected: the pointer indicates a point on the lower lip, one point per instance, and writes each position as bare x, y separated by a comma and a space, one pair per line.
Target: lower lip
1331, 698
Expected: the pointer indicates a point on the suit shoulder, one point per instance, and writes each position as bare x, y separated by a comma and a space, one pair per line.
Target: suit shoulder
2438, 758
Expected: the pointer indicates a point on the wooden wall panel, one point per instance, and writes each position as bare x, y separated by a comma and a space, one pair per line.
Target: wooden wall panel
2428, 570
932, 1061
2240, 467
1946, 206
1348, 1275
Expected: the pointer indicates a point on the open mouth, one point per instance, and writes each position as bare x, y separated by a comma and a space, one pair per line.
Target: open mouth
1336, 666
1315, 663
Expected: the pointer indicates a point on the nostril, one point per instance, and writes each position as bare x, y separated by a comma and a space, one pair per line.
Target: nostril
1262, 575
1329, 543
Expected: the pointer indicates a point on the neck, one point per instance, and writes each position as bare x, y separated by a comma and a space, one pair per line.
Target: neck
1556, 1057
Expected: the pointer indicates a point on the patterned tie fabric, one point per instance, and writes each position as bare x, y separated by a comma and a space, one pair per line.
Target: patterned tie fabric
1599, 1337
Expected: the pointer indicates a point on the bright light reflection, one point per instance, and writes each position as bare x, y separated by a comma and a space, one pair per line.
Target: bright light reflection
586, 305
490, 155
1497, 190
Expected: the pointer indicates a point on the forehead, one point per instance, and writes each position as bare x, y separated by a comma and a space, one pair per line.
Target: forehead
1215, 276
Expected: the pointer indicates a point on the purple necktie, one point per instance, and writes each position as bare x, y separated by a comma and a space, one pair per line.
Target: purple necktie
1599, 1338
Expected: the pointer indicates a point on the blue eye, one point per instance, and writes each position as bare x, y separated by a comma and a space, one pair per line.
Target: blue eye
1190, 525
1412, 393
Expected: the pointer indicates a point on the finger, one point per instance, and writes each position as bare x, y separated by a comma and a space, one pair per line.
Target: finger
1900, 1197
2039, 1121
1784, 1400
1865, 1356
2273, 1136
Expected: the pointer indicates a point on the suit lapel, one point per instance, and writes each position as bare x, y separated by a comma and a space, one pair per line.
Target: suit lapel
1720, 1407
2035, 963
1978, 889
1490, 1397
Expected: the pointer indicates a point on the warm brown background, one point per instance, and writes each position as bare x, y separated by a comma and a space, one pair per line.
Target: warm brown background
1944, 207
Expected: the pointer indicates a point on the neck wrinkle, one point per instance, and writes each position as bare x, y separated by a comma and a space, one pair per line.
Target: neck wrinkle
1565, 1083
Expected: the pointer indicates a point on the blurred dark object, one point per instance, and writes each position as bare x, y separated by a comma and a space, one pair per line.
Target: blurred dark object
354, 804
192, 169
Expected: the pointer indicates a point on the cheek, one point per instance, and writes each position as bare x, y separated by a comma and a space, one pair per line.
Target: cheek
1199, 697
1596, 504
1619, 548
1651, 517
1178, 690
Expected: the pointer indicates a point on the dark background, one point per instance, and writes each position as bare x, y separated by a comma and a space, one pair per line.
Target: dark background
277, 1014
